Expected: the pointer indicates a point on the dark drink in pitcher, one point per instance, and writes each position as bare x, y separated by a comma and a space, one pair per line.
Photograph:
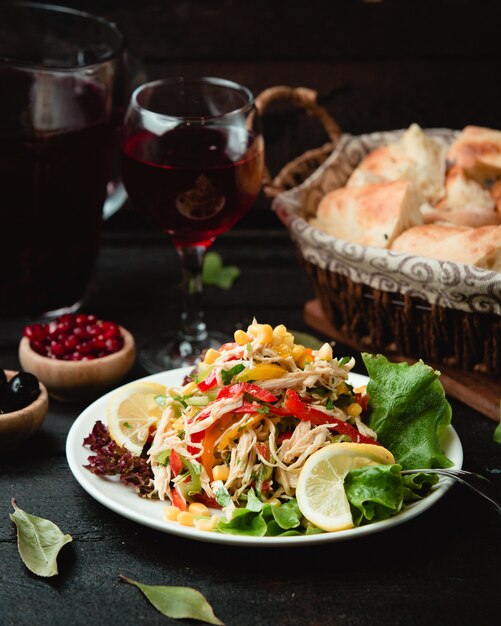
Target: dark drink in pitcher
193, 182
53, 186
62, 80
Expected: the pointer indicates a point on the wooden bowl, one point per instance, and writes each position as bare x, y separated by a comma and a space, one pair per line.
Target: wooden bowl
17, 426
74, 381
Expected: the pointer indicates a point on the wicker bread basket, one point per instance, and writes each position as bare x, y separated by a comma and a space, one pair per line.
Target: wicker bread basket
443, 312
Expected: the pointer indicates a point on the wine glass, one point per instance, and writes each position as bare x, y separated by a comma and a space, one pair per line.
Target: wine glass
192, 163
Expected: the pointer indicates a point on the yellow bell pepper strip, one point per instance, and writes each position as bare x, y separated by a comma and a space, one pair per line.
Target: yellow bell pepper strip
307, 413
261, 371
233, 432
255, 391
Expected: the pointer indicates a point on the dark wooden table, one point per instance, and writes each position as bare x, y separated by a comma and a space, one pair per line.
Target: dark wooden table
439, 568
376, 65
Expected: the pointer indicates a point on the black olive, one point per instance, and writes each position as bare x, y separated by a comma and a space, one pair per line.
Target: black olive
23, 390
5, 394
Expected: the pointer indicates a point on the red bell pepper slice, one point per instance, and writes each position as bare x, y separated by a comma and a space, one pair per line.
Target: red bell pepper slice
175, 463
178, 500
263, 450
205, 499
307, 413
255, 391
209, 382
363, 400
196, 438
228, 346
283, 436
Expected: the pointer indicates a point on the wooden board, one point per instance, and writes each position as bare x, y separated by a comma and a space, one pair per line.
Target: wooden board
475, 390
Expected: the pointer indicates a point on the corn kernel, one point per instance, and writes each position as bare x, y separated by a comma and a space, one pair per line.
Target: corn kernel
184, 518
280, 330
354, 409
265, 334
241, 337
297, 352
171, 513
288, 340
206, 523
190, 388
211, 355
283, 350
220, 472
253, 329
325, 352
197, 508
362, 390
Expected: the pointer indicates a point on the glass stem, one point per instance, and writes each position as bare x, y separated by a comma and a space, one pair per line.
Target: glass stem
193, 327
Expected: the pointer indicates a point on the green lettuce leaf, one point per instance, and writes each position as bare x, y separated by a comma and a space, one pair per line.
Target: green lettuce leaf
260, 520
377, 492
417, 486
408, 410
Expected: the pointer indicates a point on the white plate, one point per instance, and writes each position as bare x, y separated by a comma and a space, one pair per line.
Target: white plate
124, 501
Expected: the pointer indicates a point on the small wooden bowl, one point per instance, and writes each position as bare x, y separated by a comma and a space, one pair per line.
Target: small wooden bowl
74, 381
17, 426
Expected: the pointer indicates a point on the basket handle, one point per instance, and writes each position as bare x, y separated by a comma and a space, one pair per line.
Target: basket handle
304, 98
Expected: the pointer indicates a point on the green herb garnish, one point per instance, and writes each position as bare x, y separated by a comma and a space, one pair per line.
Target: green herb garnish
216, 274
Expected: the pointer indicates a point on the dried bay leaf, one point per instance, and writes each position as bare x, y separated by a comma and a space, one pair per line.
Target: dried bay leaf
39, 541
177, 602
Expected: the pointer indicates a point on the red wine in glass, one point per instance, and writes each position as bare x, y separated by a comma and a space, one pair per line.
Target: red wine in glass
192, 164
188, 184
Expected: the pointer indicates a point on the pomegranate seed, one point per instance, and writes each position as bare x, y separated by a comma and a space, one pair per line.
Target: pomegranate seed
110, 330
112, 345
57, 349
64, 327
98, 343
93, 330
38, 346
74, 337
35, 332
71, 342
80, 332
85, 348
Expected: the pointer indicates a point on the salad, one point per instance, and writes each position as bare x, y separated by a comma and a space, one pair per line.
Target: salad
247, 433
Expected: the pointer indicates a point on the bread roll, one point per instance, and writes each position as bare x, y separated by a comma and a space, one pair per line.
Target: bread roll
415, 157
372, 215
478, 151
474, 246
466, 203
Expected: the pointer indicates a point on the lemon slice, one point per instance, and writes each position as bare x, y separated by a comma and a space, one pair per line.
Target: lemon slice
320, 492
131, 413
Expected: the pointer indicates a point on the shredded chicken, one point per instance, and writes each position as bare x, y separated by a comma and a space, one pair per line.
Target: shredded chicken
274, 445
